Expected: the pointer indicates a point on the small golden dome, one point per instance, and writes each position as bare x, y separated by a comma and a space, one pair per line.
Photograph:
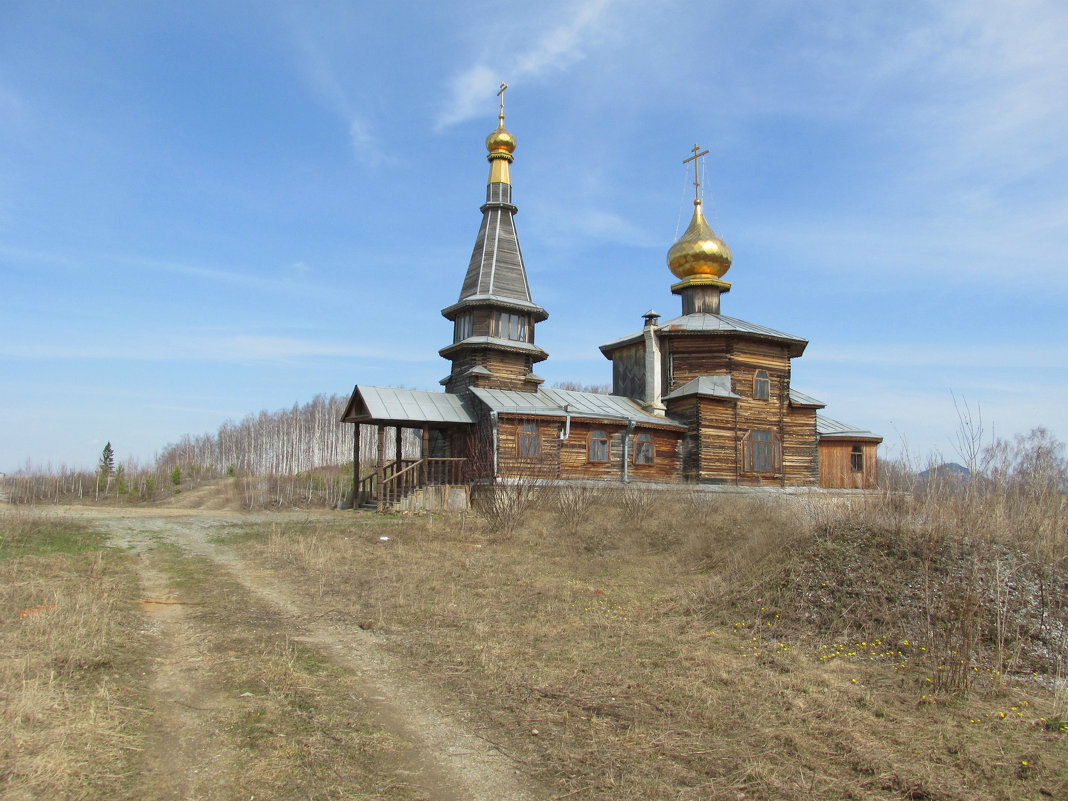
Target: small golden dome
699, 252
500, 141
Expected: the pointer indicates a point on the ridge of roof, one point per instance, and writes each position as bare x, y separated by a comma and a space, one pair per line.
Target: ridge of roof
705, 323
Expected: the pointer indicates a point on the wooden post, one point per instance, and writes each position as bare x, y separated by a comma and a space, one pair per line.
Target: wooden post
380, 464
426, 452
398, 431
355, 465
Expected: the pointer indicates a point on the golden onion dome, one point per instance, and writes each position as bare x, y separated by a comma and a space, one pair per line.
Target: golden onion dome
500, 141
699, 252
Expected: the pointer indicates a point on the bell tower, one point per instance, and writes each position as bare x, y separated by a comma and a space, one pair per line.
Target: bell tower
494, 318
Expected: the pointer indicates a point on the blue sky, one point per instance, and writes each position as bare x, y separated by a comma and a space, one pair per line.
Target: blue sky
208, 209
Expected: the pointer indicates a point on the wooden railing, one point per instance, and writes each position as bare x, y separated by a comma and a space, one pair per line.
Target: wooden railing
401, 477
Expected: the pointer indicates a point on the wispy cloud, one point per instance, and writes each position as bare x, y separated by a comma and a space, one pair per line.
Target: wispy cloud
909, 354
228, 349
324, 81
287, 281
572, 227
553, 51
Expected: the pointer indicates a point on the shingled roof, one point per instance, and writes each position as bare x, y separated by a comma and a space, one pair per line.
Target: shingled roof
496, 275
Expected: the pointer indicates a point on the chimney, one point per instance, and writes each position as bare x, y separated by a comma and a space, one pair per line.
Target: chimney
652, 402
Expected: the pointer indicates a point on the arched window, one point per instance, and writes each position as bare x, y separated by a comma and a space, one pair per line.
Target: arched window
856, 459
598, 446
761, 385
529, 441
643, 448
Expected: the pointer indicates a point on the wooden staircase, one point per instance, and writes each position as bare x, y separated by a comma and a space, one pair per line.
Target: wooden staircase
392, 483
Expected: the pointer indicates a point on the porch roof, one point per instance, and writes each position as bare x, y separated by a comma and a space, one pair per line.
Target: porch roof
414, 407
829, 428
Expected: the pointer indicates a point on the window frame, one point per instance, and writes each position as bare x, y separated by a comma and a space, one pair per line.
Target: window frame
761, 385
528, 441
643, 456
764, 453
856, 459
510, 325
463, 326
598, 437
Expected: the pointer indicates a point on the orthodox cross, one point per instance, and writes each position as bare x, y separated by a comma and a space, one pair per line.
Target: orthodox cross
500, 94
696, 155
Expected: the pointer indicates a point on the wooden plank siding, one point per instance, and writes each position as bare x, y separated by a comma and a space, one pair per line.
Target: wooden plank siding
835, 464
569, 459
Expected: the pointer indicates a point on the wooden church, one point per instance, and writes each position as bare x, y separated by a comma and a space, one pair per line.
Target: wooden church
700, 398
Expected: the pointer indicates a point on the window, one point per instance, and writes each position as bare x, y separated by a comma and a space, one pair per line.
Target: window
529, 441
856, 459
643, 448
507, 325
761, 452
598, 446
462, 327
761, 385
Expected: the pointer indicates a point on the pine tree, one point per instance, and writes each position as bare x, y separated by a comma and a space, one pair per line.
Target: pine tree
106, 469
107, 460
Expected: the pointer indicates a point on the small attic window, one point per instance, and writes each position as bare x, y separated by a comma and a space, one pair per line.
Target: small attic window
462, 327
508, 325
856, 459
761, 385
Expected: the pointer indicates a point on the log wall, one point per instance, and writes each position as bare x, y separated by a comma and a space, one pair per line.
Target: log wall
509, 370
569, 459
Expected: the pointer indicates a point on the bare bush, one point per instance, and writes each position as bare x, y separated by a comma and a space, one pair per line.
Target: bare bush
635, 503
572, 503
502, 505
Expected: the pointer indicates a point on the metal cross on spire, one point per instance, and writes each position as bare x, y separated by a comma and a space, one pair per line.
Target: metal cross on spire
696, 177
500, 94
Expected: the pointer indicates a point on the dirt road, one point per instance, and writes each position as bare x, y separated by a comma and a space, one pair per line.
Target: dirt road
433, 755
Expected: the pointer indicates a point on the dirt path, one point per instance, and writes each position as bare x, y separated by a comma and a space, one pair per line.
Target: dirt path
439, 757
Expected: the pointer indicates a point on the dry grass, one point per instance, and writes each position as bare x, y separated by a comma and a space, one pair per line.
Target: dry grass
68, 729
695, 654
291, 723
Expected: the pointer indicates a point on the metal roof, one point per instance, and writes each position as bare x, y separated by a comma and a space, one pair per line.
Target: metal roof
496, 301
827, 427
711, 324
395, 405
711, 386
560, 402
496, 342
801, 399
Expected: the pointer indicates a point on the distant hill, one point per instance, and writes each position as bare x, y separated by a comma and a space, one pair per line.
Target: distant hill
947, 471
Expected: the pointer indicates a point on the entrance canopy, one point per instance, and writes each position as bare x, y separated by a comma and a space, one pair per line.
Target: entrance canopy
410, 408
